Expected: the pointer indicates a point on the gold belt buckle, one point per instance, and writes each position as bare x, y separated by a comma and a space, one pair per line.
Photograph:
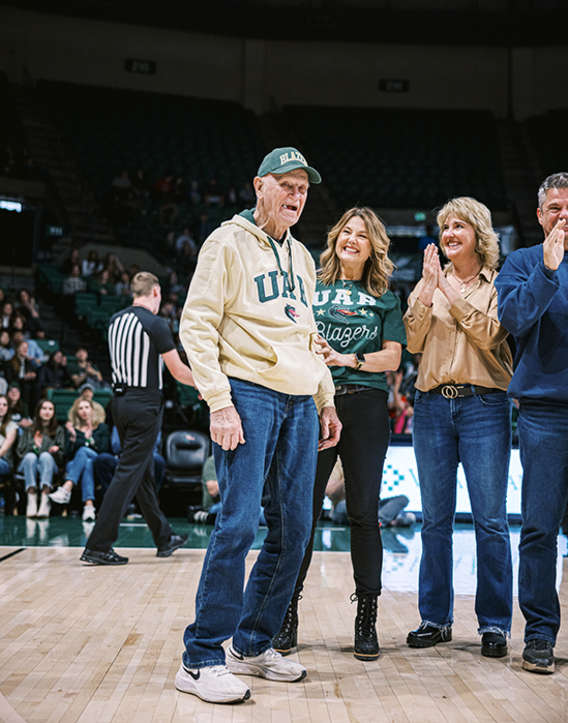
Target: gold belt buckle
449, 392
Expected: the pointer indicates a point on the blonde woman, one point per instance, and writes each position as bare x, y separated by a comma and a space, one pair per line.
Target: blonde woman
86, 438
361, 335
462, 414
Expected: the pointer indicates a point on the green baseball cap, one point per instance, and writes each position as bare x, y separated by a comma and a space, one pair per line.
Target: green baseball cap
282, 160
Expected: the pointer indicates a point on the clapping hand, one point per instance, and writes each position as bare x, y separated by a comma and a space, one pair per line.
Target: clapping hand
553, 246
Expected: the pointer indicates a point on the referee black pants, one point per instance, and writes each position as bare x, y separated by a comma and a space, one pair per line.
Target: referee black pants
137, 415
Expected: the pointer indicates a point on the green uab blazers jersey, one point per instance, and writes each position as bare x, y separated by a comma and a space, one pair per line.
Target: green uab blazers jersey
352, 321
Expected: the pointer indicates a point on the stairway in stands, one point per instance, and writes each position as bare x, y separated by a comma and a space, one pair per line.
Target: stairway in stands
522, 176
49, 150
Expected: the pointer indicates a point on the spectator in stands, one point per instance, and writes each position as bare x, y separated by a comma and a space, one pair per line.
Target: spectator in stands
21, 369
461, 413
194, 193
168, 212
41, 449
6, 314
74, 283
101, 284
179, 190
121, 185
122, 287
114, 267
140, 185
18, 408
26, 304
99, 414
361, 335
185, 239
92, 265
212, 194
54, 374
35, 352
84, 440
8, 433
6, 350
164, 187
173, 286
74, 259
246, 195
232, 198
204, 228
533, 306
83, 371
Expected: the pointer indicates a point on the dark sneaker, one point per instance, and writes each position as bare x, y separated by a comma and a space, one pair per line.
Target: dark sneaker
493, 645
538, 656
103, 558
173, 544
426, 636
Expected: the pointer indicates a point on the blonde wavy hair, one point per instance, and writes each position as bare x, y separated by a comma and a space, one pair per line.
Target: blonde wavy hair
378, 267
479, 217
74, 413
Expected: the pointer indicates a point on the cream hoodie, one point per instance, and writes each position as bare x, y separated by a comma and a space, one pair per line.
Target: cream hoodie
244, 317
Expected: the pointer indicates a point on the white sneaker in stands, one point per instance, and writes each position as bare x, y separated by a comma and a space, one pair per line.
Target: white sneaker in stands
89, 513
44, 506
31, 508
214, 684
61, 496
270, 665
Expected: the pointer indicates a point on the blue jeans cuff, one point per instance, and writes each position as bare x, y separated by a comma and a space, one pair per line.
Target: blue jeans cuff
493, 629
437, 625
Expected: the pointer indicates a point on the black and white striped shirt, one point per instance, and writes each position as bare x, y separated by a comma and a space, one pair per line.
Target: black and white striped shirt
136, 339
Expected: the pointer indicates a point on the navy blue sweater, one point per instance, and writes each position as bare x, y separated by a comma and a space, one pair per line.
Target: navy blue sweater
533, 307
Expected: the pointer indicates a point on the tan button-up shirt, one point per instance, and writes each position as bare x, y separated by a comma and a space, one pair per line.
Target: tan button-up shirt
462, 343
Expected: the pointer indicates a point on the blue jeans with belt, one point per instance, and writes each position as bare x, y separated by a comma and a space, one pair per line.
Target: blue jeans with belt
475, 431
81, 468
281, 437
543, 445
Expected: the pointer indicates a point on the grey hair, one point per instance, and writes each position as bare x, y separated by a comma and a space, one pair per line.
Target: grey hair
557, 180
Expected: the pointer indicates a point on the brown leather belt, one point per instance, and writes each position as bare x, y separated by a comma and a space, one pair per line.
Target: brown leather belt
350, 388
454, 391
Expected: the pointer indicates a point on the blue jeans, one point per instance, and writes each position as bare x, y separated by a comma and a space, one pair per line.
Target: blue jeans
475, 430
81, 468
281, 436
31, 464
4, 467
543, 445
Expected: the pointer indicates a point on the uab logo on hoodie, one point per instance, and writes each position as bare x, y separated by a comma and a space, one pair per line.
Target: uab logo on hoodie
269, 289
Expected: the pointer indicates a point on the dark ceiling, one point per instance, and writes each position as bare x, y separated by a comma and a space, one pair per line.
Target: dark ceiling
477, 22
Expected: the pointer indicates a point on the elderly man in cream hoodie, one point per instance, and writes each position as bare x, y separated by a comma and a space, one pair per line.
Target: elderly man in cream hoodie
249, 333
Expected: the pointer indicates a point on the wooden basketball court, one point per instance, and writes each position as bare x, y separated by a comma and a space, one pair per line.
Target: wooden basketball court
102, 645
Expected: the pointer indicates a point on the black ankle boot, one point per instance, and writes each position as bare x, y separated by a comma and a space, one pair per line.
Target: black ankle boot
287, 637
366, 643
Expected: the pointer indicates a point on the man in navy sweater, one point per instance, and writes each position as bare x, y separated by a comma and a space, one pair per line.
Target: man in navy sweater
533, 307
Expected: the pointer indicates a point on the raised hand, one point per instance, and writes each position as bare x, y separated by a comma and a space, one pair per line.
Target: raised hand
431, 272
553, 246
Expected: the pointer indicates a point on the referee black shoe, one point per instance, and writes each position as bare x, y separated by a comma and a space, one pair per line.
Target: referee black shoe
173, 544
95, 557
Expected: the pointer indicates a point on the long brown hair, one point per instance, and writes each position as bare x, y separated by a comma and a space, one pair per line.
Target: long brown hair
38, 426
7, 418
378, 267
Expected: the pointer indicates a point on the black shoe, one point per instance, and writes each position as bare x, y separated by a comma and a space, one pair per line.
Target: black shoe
426, 636
96, 557
173, 544
538, 656
493, 645
366, 643
287, 636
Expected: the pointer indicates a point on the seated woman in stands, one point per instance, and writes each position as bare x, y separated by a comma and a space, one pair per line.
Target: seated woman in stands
41, 449
8, 434
19, 410
85, 439
54, 374
21, 369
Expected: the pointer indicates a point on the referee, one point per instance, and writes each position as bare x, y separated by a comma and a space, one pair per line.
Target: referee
137, 339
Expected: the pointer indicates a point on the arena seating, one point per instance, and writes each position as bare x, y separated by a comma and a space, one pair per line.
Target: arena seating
396, 158
547, 134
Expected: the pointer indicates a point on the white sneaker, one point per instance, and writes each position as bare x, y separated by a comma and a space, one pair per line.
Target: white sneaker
89, 513
31, 509
44, 506
214, 684
270, 665
61, 496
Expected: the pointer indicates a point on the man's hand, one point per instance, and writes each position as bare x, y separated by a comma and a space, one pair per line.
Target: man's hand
330, 428
226, 428
553, 246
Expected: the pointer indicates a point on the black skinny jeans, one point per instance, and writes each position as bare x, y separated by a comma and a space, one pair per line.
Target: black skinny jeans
362, 448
